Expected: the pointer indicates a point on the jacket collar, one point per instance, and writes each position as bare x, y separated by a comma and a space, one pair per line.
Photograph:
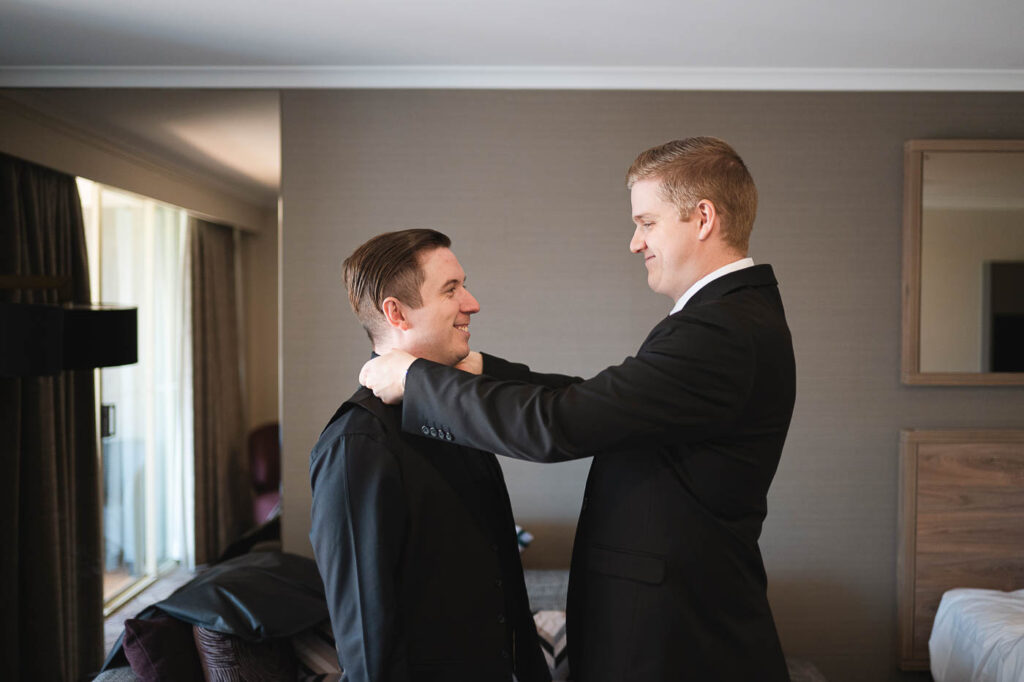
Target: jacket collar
754, 276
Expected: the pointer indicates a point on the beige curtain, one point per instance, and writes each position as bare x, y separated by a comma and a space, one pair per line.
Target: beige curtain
223, 496
51, 585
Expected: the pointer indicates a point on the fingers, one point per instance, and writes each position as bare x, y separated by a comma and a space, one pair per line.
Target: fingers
378, 376
364, 373
369, 375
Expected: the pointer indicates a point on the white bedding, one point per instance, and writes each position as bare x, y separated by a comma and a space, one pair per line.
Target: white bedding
978, 636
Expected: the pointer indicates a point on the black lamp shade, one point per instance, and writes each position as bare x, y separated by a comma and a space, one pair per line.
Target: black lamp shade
100, 336
41, 340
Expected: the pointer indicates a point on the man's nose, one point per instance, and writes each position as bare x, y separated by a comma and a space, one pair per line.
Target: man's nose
637, 244
469, 303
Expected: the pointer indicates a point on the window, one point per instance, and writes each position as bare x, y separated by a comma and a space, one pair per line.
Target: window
139, 257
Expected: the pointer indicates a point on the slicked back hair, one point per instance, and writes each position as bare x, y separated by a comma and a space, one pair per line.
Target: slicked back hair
698, 168
388, 265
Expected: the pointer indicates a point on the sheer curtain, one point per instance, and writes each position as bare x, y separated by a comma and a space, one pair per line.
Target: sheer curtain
51, 584
147, 461
223, 495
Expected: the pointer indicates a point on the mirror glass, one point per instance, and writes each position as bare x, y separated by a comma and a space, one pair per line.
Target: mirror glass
970, 223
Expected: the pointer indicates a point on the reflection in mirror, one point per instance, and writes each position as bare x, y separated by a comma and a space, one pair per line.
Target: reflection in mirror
972, 261
964, 226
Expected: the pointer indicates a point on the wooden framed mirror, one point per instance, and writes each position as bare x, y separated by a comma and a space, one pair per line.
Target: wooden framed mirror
963, 262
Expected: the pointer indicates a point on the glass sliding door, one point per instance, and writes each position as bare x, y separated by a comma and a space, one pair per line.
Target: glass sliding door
146, 422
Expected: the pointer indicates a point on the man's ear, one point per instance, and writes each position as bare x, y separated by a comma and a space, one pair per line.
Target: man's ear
394, 313
708, 216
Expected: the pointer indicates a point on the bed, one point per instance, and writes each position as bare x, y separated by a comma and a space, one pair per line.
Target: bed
961, 553
978, 635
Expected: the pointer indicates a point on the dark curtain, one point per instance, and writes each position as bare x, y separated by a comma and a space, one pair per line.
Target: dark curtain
222, 483
52, 581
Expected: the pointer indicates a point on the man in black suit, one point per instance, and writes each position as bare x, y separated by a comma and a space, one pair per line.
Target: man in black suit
667, 581
414, 538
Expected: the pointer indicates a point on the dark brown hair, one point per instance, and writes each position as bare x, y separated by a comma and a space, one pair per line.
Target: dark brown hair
698, 168
388, 265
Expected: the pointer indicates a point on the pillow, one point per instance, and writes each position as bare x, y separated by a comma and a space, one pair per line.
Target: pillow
226, 658
316, 653
551, 633
547, 590
161, 648
523, 537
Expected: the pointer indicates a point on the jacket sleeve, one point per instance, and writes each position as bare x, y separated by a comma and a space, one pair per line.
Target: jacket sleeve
691, 378
358, 530
498, 368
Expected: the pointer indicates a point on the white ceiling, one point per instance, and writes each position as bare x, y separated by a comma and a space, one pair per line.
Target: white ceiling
717, 44
618, 44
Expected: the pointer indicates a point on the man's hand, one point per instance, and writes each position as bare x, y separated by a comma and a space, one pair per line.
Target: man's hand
385, 375
472, 363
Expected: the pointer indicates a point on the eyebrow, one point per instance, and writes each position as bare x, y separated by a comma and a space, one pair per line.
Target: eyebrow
642, 216
451, 282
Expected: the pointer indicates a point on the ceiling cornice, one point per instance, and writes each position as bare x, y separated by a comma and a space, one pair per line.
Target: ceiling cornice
517, 78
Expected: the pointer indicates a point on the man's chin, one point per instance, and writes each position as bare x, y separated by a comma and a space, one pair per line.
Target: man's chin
450, 358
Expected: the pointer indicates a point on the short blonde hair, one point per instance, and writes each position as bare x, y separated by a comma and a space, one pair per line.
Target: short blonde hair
698, 168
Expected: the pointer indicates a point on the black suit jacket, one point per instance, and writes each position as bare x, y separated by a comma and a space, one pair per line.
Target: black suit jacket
417, 549
667, 581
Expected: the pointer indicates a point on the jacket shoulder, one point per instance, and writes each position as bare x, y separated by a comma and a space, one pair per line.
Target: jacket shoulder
362, 414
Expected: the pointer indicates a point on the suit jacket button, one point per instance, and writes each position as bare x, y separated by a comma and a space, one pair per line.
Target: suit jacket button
425, 430
497, 583
433, 432
501, 619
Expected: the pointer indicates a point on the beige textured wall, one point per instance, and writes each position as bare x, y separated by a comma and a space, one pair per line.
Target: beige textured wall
260, 270
529, 185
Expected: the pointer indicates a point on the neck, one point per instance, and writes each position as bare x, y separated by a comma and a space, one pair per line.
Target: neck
720, 260
389, 341
711, 262
395, 343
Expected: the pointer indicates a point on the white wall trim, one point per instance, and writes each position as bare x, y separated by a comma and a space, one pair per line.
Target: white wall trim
514, 78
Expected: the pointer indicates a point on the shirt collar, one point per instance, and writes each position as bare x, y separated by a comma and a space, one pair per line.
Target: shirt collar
710, 277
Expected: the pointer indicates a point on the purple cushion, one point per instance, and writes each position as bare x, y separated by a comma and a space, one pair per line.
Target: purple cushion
161, 648
226, 658
263, 504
